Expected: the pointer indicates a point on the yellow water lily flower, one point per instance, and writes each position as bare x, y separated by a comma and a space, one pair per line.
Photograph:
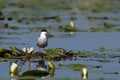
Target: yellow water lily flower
84, 73
13, 69
71, 24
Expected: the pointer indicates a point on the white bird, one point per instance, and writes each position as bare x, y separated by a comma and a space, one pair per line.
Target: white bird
42, 41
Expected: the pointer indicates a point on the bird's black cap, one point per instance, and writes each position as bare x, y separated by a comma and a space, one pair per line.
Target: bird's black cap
43, 30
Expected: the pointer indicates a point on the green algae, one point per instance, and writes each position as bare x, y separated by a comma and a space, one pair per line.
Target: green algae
84, 54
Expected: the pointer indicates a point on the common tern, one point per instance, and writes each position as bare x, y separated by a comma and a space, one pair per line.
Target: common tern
42, 41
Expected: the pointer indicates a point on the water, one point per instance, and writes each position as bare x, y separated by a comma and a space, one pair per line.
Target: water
83, 40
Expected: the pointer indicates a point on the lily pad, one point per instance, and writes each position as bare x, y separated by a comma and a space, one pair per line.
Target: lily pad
68, 28
35, 73
55, 51
76, 67
5, 52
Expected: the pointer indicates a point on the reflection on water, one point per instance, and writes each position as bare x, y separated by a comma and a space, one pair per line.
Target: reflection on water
41, 65
41, 70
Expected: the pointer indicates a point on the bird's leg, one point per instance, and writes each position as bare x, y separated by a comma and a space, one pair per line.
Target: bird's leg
43, 50
40, 50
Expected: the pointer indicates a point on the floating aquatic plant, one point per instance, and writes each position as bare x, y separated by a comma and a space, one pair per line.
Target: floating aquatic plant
55, 51
102, 49
57, 18
1, 15
36, 28
5, 52
69, 27
35, 73
76, 67
104, 60
84, 54
108, 25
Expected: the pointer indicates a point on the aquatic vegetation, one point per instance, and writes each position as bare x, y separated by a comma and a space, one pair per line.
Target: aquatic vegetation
95, 29
12, 33
61, 54
36, 28
95, 66
40, 73
73, 18
102, 49
1, 42
84, 54
55, 51
35, 73
69, 27
5, 53
104, 60
51, 65
94, 17
3, 59
76, 67
106, 72
57, 18
100, 7
114, 55
51, 68
108, 25
1, 15
11, 27
27, 54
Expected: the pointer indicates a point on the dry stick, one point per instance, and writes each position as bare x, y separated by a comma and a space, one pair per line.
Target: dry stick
23, 62
29, 66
